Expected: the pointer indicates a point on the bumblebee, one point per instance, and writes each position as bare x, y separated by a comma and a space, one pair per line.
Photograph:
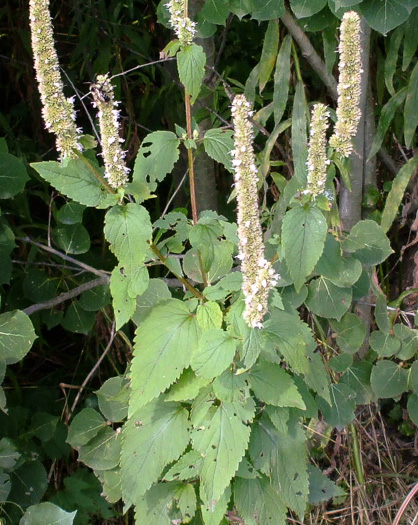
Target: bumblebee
100, 92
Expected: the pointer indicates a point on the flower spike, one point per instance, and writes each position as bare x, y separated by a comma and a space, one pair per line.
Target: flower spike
317, 151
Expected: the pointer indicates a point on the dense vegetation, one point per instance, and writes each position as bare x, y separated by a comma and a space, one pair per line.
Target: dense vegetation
144, 380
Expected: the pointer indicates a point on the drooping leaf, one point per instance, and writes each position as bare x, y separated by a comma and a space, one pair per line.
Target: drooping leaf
214, 353
392, 54
163, 346
268, 54
16, 336
145, 450
357, 377
186, 387
412, 407
388, 379
123, 303
191, 62
47, 512
327, 300
367, 240
398, 188
304, 231
299, 133
218, 143
282, 79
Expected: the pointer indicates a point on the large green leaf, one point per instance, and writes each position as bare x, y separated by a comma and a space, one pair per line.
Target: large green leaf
357, 377
386, 345
268, 54
16, 336
215, 11
84, 427
13, 175
103, 451
341, 411
214, 353
186, 468
222, 439
267, 9
163, 347
342, 271
258, 503
156, 157
77, 181
305, 8
47, 513
72, 238
304, 231
273, 385
367, 240
218, 143
155, 435
398, 188
156, 292
388, 379
191, 62
327, 300
384, 15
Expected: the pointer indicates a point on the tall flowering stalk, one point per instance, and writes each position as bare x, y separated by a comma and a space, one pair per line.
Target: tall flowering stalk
258, 275
184, 28
58, 111
317, 151
349, 85
116, 171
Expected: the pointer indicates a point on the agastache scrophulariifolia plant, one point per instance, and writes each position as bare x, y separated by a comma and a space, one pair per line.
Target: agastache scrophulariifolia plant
58, 111
184, 28
258, 275
317, 151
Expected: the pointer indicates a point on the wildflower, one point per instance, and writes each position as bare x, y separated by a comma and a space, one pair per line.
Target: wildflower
349, 85
258, 276
116, 171
317, 156
184, 28
57, 111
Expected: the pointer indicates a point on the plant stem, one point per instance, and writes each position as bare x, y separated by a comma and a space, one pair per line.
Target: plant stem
358, 465
96, 173
190, 155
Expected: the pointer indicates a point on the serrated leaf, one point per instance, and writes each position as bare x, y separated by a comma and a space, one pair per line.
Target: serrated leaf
258, 503
47, 513
282, 79
214, 353
13, 175
214, 513
321, 488
75, 180
123, 304
209, 316
305, 8
156, 292
343, 404
222, 440
218, 144
191, 62
273, 385
317, 377
327, 300
388, 379
369, 243
103, 451
163, 346
350, 331
84, 427
267, 10
384, 15
186, 468
16, 336
252, 345
186, 387
5, 487
304, 231
268, 54
145, 450
398, 188
156, 157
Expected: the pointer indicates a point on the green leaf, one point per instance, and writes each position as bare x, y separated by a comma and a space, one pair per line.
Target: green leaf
381, 312
72, 238
113, 397
156, 292
273, 385
30, 475
218, 143
5, 487
214, 513
240, 7
305, 8
267, 10
304, 231
214, 353
251, 347
369, 243
123, 303
282, 79
413, 377
384, 15
186, 387
186, 468
342, 271
103, 451
222, 439
163, 347
78, 320
299, 133
156, 157
351, 332
8, 454
95, 299
75, 180
357, 377
327, 300
13, 175
412, 407
191, 62
388, 379
145, 450
386, 345
209, 315
38, 286
411, 39
71, 213
111, 484
220, 265
321, 488
268, 54
128, 230
47, 513
392, 58
317, 377
84, 427
7, 244
16, 336
343, 404
409, 338
398, 188
215, 11
386, 117
258, 503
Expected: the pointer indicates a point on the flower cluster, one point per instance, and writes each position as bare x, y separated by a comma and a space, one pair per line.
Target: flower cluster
258, 275
184, 28
58, 111
349, 85
317, 151
116, 171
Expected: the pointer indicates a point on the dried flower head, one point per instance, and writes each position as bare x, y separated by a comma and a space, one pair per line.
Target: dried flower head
317, 150
184, 28
258, 275
58, 111
116, 171
349, 85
